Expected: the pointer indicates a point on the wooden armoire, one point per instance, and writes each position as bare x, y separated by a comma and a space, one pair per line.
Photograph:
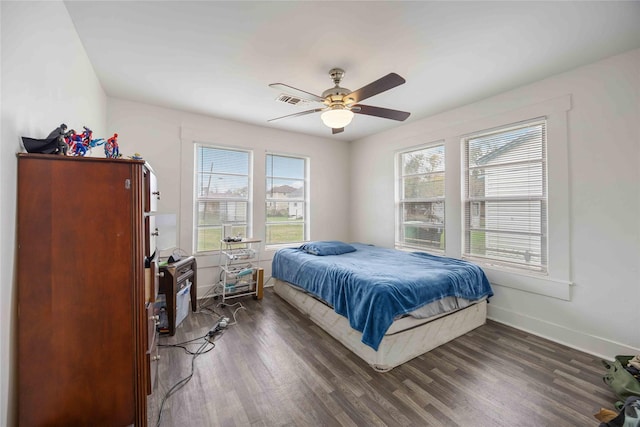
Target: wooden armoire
86, 331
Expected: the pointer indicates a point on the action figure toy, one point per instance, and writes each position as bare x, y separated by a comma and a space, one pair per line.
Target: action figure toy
75, 142
87, 140
60, 134
111, 149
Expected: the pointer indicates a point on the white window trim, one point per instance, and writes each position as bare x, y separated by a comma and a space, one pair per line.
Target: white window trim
189, 138
557, 282
307, 204
403, 246
500, 263
249, 199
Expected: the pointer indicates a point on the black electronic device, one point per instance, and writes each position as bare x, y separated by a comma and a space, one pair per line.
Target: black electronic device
174, 258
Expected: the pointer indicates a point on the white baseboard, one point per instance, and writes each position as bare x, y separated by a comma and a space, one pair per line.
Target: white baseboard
579, 340
596, 346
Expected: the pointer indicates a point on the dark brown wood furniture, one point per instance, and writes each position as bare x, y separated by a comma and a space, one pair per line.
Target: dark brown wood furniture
174, 277
86, 331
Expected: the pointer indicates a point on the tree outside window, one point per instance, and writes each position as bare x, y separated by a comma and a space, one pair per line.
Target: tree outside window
421, 198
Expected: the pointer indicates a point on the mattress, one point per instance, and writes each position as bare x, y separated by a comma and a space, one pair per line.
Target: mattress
407, 338
372, 286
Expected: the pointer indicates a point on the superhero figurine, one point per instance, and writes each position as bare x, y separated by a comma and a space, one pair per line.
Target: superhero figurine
60, 133
80, 150
87, 140
86, 136
111, 149
76, 147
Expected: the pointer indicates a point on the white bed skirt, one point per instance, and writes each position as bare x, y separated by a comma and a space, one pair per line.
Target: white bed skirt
396, 348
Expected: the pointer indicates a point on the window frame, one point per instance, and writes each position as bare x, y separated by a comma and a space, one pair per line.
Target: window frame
557, 282
402, 200
248, 199
471, 202
305, 200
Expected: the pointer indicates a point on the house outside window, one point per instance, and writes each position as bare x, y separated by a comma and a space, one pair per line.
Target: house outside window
223, 194
421, 198
506, 196
286, 199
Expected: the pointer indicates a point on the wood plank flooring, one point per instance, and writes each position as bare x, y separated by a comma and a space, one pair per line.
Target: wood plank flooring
275, 367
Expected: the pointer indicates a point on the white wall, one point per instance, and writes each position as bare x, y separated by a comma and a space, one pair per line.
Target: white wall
164, 137
46, 80
604, 202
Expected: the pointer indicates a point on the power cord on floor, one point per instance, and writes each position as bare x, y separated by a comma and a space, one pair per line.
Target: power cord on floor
216, 330
183, 344
241, 307
214, 290
202, 308
205, 306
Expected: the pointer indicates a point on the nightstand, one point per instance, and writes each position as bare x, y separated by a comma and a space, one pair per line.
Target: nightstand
173, 278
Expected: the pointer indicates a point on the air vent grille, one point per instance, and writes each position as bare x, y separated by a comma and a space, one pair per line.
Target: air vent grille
293, 100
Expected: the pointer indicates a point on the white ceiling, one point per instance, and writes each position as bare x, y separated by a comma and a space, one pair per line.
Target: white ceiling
218, 58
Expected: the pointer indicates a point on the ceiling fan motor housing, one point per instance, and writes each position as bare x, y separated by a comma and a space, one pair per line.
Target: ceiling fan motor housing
334, 97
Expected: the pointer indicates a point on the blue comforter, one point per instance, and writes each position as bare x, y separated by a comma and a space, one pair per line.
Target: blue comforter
373, 285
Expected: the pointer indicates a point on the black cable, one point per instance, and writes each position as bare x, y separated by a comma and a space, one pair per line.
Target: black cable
207, 308
186, 350
183, 342
186, 379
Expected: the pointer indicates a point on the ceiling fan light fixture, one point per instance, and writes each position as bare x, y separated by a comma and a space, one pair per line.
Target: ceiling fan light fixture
337, 118
339, 104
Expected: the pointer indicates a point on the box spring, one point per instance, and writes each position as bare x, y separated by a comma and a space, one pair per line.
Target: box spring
397, 348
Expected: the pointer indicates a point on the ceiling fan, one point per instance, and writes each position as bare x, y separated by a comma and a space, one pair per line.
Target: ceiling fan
340, 103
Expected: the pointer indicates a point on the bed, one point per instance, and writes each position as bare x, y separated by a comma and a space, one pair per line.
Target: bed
385, 305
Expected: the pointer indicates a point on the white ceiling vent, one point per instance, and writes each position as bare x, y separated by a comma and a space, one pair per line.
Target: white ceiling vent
293, 100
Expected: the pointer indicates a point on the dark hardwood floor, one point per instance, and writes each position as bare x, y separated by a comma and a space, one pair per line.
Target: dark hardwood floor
275, 367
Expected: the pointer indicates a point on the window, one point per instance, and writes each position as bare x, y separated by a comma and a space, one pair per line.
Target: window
506, 196
421, 198
286, 200
223, 189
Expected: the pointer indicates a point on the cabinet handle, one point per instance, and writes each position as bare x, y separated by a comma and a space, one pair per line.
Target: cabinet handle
160, 274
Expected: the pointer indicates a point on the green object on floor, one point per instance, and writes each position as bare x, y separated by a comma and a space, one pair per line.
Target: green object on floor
619, 379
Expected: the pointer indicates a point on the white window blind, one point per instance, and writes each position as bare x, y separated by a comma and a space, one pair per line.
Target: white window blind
421, 199
223, 188
286, 199
506, 196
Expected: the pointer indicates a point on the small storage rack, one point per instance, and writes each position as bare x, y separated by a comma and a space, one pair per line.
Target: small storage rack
239, 265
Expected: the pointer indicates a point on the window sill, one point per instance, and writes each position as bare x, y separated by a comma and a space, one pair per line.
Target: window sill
432, 251
541, 285
275, 247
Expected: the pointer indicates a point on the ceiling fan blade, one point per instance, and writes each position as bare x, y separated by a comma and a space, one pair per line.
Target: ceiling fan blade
294, 91
385, 113
387, 82
336, 130
301, 113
